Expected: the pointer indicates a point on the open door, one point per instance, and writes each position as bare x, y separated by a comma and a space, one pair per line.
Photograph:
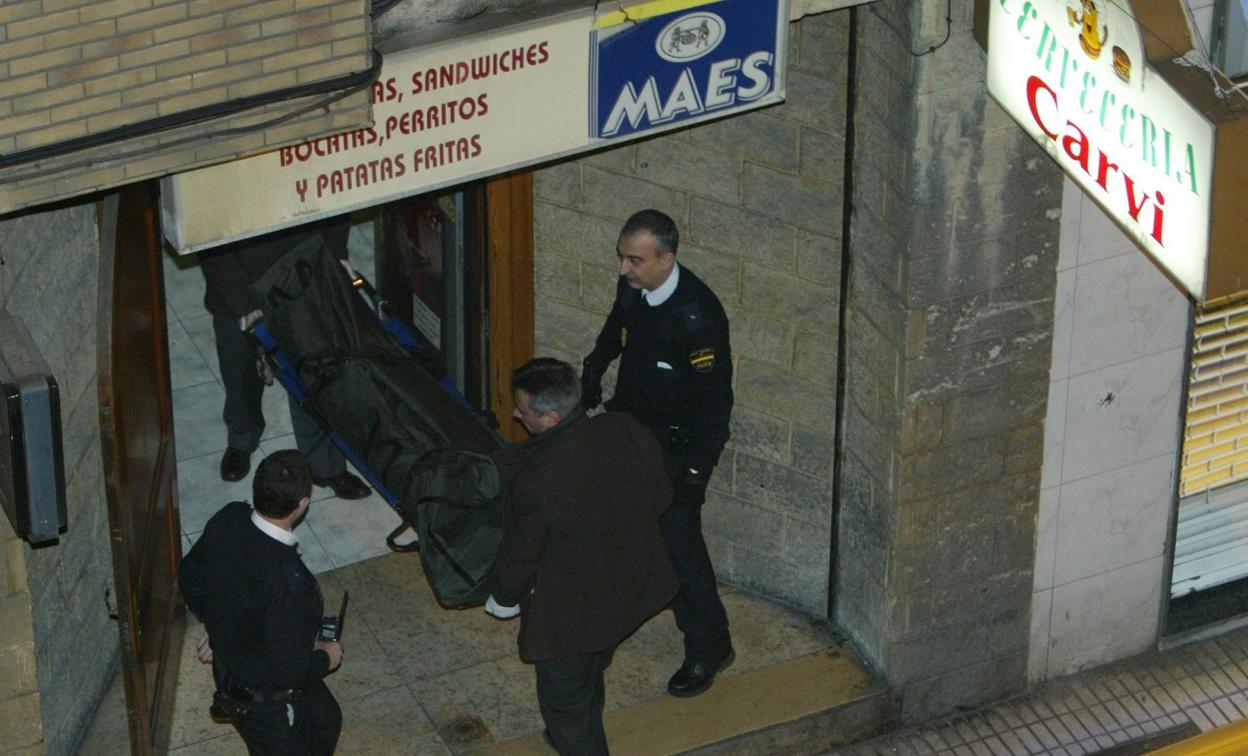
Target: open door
136, 437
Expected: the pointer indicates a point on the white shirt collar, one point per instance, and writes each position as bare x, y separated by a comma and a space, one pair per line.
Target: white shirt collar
665, 289
272, 531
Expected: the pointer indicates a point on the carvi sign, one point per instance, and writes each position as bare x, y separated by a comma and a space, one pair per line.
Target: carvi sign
1073, 74
461, 109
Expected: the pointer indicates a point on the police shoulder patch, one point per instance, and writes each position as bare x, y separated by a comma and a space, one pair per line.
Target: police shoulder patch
702, 360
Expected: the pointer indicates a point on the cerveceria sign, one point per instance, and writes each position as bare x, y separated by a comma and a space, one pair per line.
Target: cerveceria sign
464, 108
1073, 74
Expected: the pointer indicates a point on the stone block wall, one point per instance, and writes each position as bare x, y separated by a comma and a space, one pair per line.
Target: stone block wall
49, 271
20, 728
758, 199
953, 257
70, 69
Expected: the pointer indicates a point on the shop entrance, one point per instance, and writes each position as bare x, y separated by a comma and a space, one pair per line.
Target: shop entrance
460, 262
456, 265
430, 267
1209, 576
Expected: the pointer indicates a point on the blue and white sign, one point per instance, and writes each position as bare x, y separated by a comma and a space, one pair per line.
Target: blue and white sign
674, 62
468, 107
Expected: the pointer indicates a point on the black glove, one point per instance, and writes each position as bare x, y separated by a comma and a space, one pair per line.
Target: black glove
591, 386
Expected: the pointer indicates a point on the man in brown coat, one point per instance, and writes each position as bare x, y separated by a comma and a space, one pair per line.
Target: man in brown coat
582, 554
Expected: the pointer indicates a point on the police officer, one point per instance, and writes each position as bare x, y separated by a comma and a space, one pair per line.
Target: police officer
263, 612
675, 376
228, 275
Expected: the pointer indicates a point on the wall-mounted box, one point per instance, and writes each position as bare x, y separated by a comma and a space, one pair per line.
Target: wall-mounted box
32, 463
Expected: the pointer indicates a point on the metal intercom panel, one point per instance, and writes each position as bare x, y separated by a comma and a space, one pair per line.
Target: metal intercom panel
32, 463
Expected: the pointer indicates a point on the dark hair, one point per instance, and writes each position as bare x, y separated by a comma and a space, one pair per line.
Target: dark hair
551, 385
658, 223
282, 480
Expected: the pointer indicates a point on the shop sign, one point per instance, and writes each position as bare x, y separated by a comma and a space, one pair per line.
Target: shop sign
1074, 75
470, 107
678, 66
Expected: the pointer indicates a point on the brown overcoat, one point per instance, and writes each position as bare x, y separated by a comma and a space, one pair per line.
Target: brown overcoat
582, 552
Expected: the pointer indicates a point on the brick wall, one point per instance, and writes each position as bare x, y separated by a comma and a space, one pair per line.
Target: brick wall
758, 201
954, 249
73, 68
60, 634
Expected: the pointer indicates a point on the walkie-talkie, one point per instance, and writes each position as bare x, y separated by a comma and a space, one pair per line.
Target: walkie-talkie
331, 627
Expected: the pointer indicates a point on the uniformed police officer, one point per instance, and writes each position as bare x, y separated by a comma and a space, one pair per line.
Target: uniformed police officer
675, 376
263, 612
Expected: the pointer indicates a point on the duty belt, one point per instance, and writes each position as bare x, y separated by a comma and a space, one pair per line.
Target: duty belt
245, 694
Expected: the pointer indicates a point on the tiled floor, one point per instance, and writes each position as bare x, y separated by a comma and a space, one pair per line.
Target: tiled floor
336, 532
419, 679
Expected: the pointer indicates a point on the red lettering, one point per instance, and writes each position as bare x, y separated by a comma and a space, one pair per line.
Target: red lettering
1159, 202
1103, 167
1133, 207
1034, 84
1078, 148
1069, 143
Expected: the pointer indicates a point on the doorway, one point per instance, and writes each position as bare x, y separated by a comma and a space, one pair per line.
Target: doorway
163, 384
137, 444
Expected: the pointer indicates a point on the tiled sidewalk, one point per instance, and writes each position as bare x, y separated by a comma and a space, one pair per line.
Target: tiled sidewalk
1202, 685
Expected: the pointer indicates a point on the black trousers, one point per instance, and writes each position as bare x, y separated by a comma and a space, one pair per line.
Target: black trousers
244, 418
699, 613
268, 729
571, 694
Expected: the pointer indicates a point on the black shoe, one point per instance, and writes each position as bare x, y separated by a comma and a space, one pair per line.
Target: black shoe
694, 677
219, 715
219, 711
345, 485
235, 464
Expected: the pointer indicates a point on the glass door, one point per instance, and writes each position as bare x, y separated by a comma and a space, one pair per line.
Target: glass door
429, 268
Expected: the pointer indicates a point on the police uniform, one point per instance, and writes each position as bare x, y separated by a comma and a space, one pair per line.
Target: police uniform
675, 376
263, 610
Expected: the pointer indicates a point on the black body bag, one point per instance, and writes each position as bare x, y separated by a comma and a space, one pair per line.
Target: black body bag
431, 451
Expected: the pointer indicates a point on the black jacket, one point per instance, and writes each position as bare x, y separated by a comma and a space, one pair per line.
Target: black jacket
582, 552
675, 365
260, 604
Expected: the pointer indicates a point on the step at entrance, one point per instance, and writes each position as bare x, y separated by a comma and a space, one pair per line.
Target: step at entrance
804, 705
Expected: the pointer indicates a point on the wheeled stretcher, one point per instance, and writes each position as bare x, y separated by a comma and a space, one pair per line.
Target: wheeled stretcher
362, 373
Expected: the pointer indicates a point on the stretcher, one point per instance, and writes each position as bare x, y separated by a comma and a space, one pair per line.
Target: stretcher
372, 386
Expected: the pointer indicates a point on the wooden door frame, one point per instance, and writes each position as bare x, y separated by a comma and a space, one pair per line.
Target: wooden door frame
509, 255
149, 713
